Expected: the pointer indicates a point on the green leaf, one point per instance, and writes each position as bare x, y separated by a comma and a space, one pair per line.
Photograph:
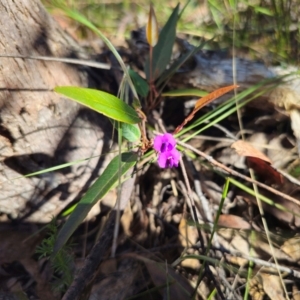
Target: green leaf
185, 92
167, 74
216, 11
84, 21
131, 132
263, 10
163, 50
228, 107
140, 84
97, 191
101, 102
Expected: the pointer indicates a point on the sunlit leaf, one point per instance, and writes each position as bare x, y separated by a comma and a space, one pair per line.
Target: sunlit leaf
101, 102
263, 10
163, 50
214, 7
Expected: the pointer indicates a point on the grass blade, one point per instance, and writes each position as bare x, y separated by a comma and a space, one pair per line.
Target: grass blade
97, 191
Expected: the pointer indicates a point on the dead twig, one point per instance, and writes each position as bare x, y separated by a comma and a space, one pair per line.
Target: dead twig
74, 61
223, 168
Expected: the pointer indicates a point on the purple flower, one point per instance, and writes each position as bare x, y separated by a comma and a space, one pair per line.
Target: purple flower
163, 143
168, 155
169, 159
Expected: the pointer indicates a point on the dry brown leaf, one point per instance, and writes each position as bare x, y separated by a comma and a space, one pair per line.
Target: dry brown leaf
188, 237
266, 284
188, 234
191, 263
213, 95
204, 101
263, 169
296, 292
292, 247
256, 290
245, 149
232, 221
127, 219
258, 161
272, 286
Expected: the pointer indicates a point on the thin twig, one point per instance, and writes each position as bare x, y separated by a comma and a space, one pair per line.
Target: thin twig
223, 129
237, 174
204, 202
190, 198
82, 62
257, 261
195, 216
265, 224
264, 263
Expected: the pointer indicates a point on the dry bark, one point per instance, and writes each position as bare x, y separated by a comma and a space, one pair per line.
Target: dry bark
38, 128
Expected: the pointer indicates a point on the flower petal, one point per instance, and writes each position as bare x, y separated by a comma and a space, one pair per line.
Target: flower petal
162, 160
169, 159
176, 157
165, 142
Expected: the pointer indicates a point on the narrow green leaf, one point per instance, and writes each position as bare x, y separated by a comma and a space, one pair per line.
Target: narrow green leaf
68, 210
263, 10
131, 132
83, 20
141, 85
97, 191
185, 92
101, 102
216, 12
163, 50
167, 74
228, 107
